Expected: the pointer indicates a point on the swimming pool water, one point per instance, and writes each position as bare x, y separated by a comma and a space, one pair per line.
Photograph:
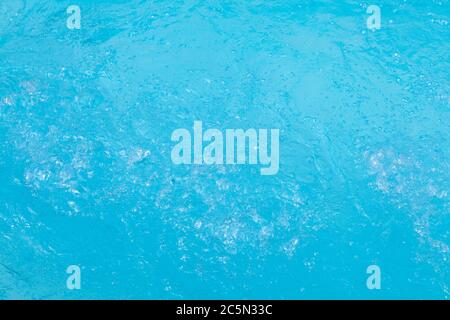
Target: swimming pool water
86, 117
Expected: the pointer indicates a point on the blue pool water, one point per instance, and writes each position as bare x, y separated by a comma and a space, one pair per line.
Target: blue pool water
86, 117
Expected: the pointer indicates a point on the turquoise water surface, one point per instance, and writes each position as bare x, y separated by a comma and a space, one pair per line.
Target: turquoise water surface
87, 179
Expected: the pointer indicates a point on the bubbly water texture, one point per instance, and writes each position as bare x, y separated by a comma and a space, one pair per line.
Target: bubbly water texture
87, 179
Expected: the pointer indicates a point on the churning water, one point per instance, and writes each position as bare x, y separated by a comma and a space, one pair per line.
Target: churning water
86, 176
